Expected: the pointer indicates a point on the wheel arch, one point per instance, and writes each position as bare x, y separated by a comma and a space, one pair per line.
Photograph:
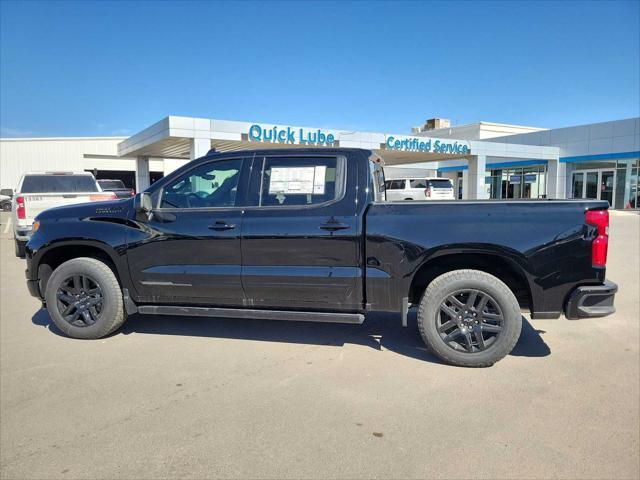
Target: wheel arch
58, 253
505, 269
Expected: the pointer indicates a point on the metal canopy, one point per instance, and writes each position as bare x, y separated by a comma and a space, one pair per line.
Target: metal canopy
188, 137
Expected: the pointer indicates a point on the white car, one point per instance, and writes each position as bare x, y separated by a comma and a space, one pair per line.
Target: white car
39, 191
430, 188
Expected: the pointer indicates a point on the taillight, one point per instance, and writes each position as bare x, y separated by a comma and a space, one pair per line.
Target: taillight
20, 210
132, 192
600, 220
427, 192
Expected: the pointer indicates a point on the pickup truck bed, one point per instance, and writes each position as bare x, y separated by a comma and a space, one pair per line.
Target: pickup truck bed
306, 235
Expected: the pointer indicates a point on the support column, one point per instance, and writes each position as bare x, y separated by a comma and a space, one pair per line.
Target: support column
199, 147
476, 177
142, 174
465, 185
556, 179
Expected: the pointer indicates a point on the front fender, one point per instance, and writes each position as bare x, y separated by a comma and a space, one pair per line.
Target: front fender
86, 234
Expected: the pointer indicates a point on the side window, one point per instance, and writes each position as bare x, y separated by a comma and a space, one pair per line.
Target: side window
288, 181
395, 184
418, 183
213, 184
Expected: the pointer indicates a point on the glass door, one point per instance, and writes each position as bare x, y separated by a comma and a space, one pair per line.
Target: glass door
607, 183
591, 185
594, 184
578, 185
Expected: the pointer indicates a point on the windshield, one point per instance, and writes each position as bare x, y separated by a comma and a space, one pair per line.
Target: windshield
58, 183
111, 184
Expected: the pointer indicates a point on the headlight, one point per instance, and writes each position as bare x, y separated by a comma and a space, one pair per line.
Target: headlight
36, 226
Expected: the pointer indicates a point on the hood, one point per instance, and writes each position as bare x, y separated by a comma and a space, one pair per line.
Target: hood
110, 208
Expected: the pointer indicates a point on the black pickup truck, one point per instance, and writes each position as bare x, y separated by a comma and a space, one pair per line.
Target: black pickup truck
306, 235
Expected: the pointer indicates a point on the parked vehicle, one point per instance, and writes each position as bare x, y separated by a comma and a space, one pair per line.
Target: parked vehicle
38, 191
6, 195
306, 235
117, 187
419, 189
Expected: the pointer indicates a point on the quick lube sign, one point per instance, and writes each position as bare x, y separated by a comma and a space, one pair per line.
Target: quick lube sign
427, 145
291, 135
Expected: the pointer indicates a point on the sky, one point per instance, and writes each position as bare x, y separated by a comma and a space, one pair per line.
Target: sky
113, 68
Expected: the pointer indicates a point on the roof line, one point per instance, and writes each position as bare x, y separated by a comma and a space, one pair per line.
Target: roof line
35, 139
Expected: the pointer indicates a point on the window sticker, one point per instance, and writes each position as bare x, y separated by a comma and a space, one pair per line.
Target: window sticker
319, 179
297, 180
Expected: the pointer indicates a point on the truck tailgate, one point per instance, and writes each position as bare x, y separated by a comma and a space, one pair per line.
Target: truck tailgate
36, 203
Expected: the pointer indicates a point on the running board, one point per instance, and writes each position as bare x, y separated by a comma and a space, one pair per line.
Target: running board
323, 317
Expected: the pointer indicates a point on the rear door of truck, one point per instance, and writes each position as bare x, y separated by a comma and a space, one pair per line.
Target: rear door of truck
300, 237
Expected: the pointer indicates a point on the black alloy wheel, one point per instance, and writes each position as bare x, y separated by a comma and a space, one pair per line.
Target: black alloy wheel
80, 300
469, 321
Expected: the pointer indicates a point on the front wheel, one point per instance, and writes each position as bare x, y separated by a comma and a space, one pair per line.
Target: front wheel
469, 318
6, 207
84, 299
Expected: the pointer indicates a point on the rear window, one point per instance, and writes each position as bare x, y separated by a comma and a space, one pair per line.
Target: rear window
58, 183
444, 183
111, 184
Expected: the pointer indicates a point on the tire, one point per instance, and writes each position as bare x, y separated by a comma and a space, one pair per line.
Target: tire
20, 248
6, 207
450, 298
110, 310
407, 199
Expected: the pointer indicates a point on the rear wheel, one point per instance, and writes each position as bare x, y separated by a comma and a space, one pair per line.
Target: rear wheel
84, 299
20, 248
469, 318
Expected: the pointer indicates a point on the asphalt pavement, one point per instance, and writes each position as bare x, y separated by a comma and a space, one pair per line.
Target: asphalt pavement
170, 397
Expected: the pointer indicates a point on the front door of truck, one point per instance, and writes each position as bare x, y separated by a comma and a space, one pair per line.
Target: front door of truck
189, 250
300, 238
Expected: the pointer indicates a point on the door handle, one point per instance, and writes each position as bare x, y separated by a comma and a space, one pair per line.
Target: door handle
221, 225
333, 225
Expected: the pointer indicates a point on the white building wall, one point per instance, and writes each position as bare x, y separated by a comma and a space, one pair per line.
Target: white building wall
392, 173
479, 131
45, 154
618, 136
20, 155
594, 139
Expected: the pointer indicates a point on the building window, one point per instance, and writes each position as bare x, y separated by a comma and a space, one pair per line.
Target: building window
517, 182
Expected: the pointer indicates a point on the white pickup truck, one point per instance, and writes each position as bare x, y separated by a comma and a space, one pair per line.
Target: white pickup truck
39, 191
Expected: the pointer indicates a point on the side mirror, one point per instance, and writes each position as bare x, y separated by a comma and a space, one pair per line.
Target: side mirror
142, 203
7, 191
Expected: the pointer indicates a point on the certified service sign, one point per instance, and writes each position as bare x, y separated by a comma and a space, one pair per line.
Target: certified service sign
427, 145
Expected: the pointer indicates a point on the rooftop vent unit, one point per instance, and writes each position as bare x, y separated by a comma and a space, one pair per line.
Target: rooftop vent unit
435, 123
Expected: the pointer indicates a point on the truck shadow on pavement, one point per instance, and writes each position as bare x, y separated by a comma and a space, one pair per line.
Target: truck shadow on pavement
378, 331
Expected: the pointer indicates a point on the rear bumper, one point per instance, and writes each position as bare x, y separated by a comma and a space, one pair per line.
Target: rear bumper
22, 234
591, 301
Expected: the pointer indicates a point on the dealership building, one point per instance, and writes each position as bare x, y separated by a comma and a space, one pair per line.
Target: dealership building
483, 160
